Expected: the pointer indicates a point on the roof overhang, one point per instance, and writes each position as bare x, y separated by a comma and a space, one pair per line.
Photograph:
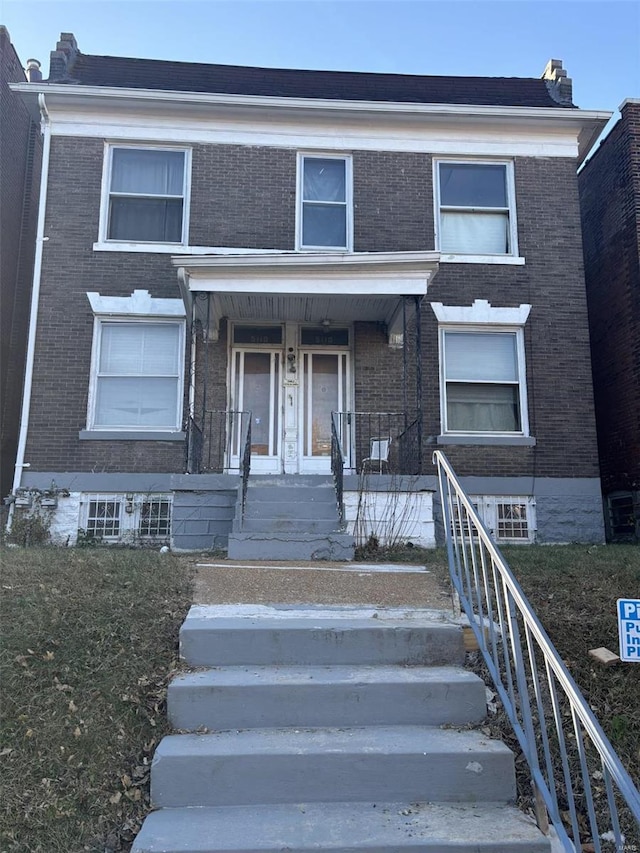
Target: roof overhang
586, 125
310, 288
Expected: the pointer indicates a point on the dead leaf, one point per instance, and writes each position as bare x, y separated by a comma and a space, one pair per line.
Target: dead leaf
115, 799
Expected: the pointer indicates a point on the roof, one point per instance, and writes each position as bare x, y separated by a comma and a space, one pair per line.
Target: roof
122, 72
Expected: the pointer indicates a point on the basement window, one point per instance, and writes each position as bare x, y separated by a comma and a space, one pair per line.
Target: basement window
127, 518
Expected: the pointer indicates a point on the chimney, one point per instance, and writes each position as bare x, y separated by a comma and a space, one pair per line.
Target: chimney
560, 86
32, 71
63, 58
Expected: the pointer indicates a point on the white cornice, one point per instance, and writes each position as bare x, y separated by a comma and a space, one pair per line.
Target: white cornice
200, 117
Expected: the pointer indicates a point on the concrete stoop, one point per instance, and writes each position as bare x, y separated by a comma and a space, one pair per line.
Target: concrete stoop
290, 518
329, 729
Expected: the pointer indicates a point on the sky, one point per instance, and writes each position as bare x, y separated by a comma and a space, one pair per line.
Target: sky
599, 42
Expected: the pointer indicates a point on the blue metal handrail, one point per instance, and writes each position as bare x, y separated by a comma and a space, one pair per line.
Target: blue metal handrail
560, 737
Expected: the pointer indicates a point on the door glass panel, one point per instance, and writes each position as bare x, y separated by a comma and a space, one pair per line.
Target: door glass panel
324, 388
257, 399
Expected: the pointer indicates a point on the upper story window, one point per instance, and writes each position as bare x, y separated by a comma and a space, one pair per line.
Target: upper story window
137, 378
483, 383
324, 202
475, 213
146, 195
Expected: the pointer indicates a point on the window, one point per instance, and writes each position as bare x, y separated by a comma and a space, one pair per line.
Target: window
137, 377
147, 195
103, 518
127, 517
482, 381
324, 202
476, 208
155, 517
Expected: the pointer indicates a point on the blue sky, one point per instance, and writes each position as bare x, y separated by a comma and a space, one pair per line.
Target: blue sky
599, 42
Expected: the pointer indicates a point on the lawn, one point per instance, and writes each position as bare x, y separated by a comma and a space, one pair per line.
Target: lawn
89, 637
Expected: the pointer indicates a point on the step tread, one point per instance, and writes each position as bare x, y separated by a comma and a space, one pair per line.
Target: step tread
324, 674
381, 740
342, 828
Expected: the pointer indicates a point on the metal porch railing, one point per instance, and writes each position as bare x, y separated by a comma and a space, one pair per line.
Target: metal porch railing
216, 442
337, 463
357, 430
578, 780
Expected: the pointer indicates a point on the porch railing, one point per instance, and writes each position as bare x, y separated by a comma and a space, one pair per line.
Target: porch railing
245, 459
356, 432
578, 780
216, 442
337, 464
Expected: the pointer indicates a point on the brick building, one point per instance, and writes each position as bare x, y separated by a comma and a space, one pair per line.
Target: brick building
20, 155
313, 272
609, 187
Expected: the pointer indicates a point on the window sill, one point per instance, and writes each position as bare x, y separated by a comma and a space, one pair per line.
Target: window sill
504, 440
130, 435
151, 248
509, 260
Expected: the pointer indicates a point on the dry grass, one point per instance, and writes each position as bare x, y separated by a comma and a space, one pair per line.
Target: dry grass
88, 641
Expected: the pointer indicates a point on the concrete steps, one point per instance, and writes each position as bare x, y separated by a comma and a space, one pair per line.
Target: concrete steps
329, 729
290, 518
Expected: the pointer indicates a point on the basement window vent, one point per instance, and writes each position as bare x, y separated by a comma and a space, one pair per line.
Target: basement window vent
509, 518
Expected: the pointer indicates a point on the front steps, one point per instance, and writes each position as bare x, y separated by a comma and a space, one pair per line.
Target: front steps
290, 518
329, 730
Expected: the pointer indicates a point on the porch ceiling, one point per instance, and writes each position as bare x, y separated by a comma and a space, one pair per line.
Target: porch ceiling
306, 288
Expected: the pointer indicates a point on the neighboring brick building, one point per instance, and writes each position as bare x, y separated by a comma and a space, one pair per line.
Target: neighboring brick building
20, 155
295, 243
610, 203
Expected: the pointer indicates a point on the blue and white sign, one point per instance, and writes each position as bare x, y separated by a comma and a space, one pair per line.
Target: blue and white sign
629, 628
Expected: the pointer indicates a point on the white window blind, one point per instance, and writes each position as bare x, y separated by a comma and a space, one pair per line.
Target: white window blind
138, 380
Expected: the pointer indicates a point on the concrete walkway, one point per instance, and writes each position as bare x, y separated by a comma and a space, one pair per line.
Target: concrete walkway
377, 585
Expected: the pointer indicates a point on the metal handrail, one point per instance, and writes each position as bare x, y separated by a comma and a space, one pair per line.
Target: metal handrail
245, 461
337, 464
560, 737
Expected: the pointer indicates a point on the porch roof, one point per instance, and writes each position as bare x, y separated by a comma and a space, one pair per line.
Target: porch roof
309, 288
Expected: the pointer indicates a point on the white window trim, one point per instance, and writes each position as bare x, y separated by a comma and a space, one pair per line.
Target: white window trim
447, 257
522, 377
348, 176
98, 323
103, 242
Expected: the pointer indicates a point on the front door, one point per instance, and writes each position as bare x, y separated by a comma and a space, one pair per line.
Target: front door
290, 378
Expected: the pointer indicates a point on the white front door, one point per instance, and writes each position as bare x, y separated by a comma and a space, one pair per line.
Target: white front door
290, 390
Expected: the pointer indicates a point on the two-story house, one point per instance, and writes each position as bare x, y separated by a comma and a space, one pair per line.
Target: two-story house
288, 273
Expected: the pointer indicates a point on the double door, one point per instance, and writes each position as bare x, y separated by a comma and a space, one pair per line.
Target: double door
290, 378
